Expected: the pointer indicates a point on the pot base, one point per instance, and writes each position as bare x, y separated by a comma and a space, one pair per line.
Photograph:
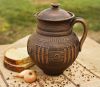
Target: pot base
53, 73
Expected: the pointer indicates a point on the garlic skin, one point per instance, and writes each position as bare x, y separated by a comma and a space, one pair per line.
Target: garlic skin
30, 77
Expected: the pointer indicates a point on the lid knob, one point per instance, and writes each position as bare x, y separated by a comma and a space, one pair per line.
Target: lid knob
55, 5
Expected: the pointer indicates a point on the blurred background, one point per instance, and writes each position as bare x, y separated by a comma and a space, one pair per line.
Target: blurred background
17, 17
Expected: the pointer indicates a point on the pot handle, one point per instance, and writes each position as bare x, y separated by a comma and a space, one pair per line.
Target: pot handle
82, 21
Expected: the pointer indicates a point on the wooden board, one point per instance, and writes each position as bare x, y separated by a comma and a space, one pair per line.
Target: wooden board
83, 73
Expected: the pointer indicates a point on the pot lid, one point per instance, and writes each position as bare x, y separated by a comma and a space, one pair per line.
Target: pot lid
55, 13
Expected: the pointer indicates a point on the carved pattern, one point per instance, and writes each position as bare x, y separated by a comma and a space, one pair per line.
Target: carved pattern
65, 56
42, 38
40, 54
74, 53
35, 52
56, 56
48, 56
70, 54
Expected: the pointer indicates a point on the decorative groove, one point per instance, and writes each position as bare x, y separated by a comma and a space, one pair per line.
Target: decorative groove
52, 39
68, 56
72, 49
65, 55
42, 55
35, 49
38, 54
46, 56
75, 50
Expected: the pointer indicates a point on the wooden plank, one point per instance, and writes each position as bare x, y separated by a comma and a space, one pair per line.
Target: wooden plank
90, 55
2, 84
75, 76
95, 83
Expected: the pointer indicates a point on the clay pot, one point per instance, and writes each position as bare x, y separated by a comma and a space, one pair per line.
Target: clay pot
54, 46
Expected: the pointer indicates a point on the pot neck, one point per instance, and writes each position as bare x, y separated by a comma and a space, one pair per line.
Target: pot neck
46, 28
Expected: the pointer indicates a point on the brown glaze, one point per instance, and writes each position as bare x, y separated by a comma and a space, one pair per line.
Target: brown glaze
54, 46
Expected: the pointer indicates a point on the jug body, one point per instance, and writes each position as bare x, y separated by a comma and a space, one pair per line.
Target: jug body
53, 54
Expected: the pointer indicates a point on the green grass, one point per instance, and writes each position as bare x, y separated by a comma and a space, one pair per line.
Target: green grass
88, 9
17, 19
17, 16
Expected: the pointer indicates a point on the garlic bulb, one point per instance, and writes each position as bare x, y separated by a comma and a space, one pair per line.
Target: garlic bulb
28, 75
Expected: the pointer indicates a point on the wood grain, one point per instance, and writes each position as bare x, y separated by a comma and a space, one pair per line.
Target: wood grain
79, 74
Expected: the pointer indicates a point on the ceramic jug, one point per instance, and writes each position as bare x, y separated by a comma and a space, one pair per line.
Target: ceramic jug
54, 46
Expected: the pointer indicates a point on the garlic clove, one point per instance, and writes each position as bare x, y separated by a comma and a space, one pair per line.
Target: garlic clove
21, 74
28, 75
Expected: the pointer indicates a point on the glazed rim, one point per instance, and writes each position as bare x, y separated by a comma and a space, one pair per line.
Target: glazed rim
71, 13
